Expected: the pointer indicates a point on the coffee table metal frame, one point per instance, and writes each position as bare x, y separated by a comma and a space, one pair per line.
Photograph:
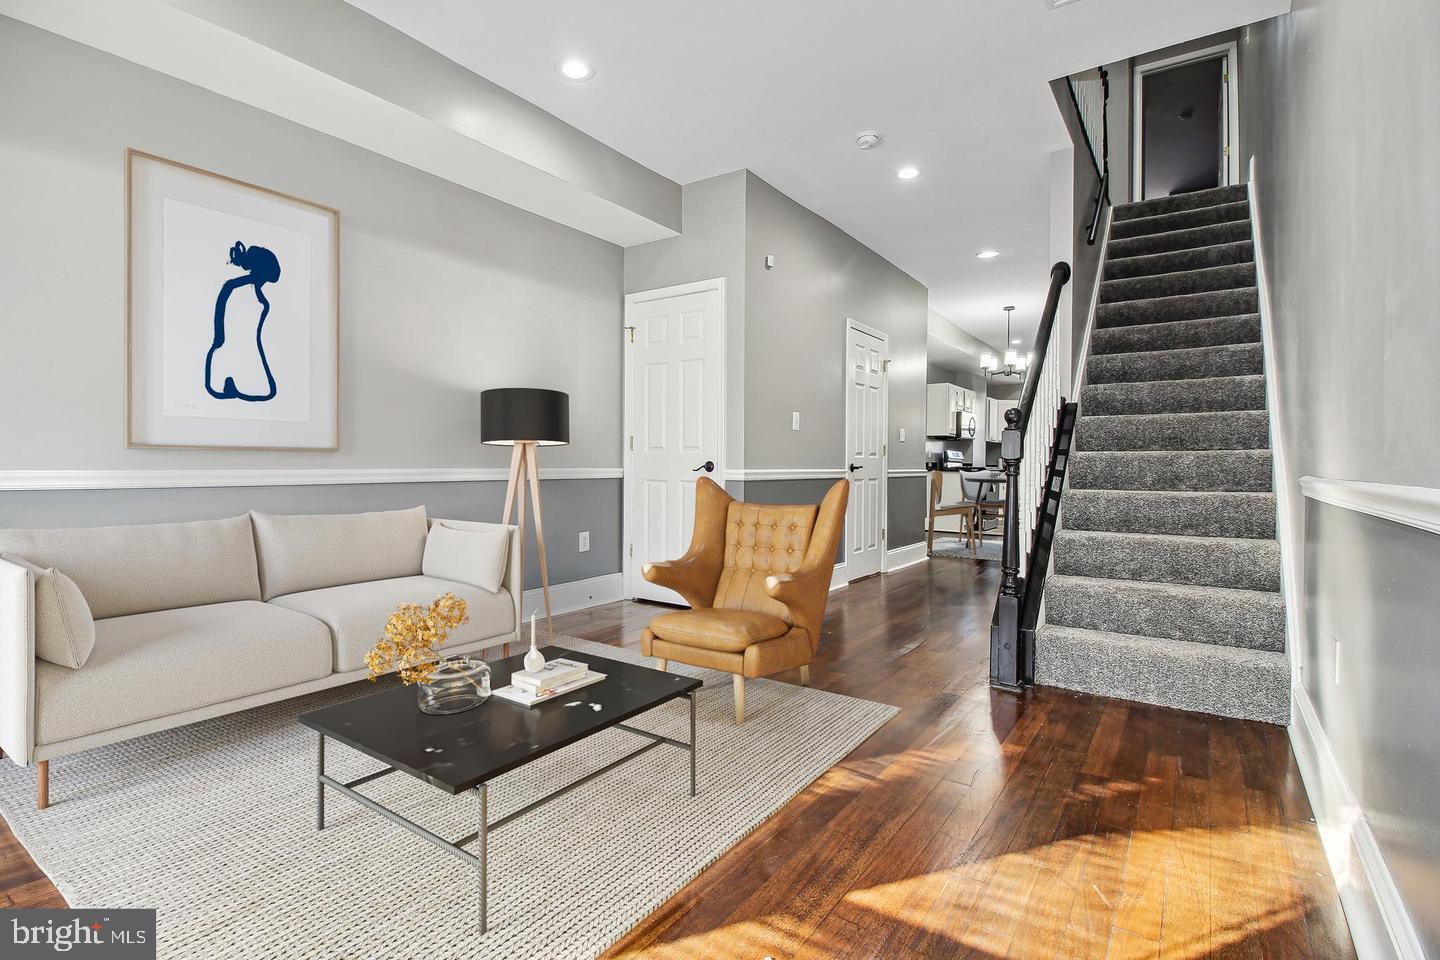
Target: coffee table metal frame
481, 837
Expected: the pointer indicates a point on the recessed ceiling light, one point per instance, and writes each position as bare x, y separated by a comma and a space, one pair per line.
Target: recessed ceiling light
575, 70
1016, 340
987, 254
907, 173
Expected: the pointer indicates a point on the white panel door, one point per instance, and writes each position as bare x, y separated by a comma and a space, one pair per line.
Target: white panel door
674, 353
865, 432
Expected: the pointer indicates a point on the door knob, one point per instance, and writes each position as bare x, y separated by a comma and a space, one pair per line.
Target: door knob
854, 467
708, 466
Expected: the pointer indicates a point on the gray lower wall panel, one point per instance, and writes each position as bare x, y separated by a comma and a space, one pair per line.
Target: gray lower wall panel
1371, 659
570, 506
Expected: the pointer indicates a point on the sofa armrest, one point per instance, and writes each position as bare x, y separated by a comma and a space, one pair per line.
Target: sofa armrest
513, 581
17, 662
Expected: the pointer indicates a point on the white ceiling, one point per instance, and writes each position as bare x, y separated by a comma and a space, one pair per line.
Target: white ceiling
959, 88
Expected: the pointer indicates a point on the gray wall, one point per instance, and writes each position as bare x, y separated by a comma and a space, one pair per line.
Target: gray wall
712, 245
1338, 109
444, 292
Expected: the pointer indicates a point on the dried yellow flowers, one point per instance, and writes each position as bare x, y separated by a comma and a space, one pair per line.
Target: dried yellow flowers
413, 638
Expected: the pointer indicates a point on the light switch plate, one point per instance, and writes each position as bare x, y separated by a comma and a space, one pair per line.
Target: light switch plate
584, 541
902, 434
795, 420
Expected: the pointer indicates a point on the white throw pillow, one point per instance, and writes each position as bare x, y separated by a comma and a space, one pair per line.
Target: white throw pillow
64, 629
470, 556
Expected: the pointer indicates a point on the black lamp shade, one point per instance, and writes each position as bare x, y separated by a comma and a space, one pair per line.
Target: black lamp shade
512, 415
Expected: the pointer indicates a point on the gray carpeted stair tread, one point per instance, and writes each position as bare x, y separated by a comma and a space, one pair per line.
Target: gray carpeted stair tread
1207, 236
1226, 681
1184, 306
1180, 220
1202, 471
1176, 335
1185, 363
1242, 564
1184, 512
1227, 277
1253, 619
1229, 430
1182, 201
1201, 395
1196, 258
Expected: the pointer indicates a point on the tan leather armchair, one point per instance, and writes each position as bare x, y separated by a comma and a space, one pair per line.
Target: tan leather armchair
757, 577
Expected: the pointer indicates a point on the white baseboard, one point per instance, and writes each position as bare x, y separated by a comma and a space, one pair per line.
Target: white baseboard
906, 556
840, 577
575, 595
1379, 923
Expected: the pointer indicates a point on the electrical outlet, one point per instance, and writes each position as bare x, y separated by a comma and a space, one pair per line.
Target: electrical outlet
795, 420
902, 434
584, 540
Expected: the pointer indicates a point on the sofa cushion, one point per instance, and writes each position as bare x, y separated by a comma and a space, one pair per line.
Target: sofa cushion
157, 664
728, 631
64, 628
145, 567
356, 613
299, 553
475, 555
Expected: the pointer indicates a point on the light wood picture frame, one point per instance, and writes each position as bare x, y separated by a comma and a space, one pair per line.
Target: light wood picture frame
232, 318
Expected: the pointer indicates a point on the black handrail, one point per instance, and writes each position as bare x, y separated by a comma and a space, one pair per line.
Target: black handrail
1006, 658
1099, 158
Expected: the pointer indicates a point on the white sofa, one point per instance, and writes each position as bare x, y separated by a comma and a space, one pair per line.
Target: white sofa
195, 620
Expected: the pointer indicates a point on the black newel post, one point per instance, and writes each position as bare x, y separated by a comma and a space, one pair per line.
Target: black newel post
1005, 653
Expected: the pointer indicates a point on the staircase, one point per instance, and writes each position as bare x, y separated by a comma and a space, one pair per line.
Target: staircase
1167, 572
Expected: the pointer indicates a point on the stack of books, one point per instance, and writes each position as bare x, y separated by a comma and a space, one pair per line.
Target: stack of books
559, 676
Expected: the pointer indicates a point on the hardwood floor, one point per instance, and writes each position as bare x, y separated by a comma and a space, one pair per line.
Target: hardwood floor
979, 823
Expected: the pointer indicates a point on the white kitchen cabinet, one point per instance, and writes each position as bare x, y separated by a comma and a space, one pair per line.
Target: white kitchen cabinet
995, 417
943, 403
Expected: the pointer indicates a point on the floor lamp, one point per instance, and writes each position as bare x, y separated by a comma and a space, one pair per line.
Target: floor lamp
526, 419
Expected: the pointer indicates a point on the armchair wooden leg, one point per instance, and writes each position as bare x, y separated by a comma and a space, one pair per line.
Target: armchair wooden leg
662, 664
739, 698
42, 784
805, 675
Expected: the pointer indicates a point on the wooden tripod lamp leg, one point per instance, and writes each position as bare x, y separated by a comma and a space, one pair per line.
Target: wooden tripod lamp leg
516, 484
532, 467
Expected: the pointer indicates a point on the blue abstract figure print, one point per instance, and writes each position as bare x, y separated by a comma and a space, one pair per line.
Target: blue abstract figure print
236, 367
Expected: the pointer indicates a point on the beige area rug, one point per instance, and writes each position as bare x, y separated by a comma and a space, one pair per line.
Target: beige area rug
214, 826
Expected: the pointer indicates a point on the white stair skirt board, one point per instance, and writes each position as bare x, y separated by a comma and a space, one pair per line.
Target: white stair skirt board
213, 825
1374, 910
575, 595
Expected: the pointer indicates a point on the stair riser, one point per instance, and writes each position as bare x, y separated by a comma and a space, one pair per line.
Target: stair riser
1228, 683
1174, 396
1184, 220
1210, 562
1254, 621
1232, 232
1244, 471
1234, 360
1174, 284
1181, 201
1239, 430
1177, 335
1189, 306
1199, 258
1144, 511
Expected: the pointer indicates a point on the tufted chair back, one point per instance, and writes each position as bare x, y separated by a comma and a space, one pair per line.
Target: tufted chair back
760, 540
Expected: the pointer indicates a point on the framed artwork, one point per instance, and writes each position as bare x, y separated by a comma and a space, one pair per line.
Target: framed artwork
233, 313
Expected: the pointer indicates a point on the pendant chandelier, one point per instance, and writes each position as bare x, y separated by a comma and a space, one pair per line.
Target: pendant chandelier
1013, 364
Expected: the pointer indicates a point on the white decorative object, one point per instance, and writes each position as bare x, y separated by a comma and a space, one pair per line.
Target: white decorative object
534, 660
233, 314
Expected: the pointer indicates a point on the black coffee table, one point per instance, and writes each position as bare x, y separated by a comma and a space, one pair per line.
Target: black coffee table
465, 751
